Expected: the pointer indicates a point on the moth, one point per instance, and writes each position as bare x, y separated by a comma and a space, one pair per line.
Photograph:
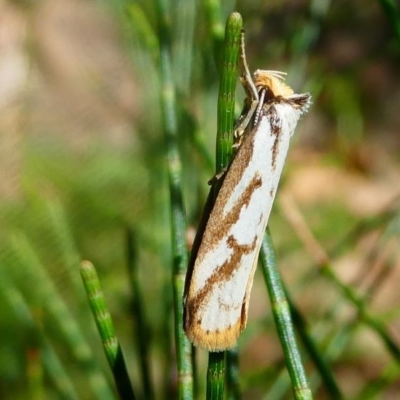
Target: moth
224, 258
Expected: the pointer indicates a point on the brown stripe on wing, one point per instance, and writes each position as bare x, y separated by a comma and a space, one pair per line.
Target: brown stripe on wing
218, 223
297, 101
214, 225
276, 129
223, 273
215, 233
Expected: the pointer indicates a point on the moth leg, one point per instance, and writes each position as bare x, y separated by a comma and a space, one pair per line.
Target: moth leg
245, 76
252, 98
257, 111
218, 176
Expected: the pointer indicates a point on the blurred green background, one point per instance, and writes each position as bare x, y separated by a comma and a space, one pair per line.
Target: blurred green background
82, 160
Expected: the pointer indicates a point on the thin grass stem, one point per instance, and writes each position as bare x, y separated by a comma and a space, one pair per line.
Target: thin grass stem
105, 327
141, 325
226, 97
313, 351
350, 294
281, 312
216, 375
232, 374
226, 106
52, 364
216, 27
44, 289
178, 221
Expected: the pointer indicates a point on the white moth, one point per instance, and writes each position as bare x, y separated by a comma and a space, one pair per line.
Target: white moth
224, 258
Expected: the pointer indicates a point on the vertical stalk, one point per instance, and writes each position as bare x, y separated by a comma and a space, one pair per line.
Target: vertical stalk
282, 317
178, 222
56, 308
226, 106
141, 327
232, 374
226, 96
105, 326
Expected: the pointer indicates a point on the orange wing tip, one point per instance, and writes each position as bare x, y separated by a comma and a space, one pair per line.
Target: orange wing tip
274, 81
219, 340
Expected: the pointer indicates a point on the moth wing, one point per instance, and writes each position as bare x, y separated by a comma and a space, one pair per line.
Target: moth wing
217, 296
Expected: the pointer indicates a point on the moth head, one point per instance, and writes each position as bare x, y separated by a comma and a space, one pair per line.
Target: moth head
274, 82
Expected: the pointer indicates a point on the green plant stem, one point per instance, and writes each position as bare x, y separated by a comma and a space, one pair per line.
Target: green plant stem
392, 11
226, 106
376, 387
52, 365
232, 374
216, 375
178, 222
53, 303
106, 330
374, 323
324, 266
226, 96
138, 20
216, 27
140, 326
57, 371
351, 295
281, 312
311, 347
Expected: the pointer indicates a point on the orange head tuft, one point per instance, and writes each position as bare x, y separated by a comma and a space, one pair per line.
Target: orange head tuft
274, 81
